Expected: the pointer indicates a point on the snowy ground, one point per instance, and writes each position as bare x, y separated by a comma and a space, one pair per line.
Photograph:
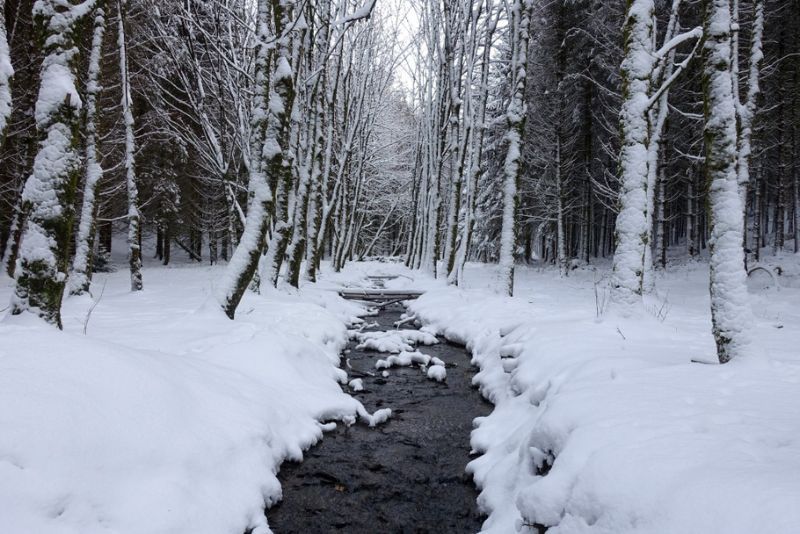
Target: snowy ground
165, 416
605, 425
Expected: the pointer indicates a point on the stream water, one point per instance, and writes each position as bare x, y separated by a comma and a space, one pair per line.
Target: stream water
405, 476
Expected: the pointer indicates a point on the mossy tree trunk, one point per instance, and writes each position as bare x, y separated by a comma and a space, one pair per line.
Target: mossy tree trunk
49, 194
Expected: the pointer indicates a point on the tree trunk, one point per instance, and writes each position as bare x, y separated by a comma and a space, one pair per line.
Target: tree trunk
167, 243
730, 312
632, 222
515, 119
45, 244
661, 220
267, 152
15, 237
81, 276
134, 230
6, 74
561, 252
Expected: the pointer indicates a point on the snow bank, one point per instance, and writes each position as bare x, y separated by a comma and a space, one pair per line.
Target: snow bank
395, 341
357, 384
166, 416
404, 359
606, 426
437, 372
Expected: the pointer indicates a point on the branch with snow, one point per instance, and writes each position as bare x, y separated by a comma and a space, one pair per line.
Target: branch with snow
364, 12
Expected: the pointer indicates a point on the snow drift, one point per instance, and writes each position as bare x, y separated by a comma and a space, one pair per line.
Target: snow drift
167, 416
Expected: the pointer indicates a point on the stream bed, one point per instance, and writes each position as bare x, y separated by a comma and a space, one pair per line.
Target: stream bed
404, 476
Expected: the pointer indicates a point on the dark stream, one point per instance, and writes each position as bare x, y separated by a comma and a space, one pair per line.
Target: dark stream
405, 476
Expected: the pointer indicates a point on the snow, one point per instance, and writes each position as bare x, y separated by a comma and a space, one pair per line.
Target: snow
380, 416
57, 86
357, 384
6, 73
729, 303
165, 416
437, 372
601, 423
361, 13
606, 425
395, 341
404, 359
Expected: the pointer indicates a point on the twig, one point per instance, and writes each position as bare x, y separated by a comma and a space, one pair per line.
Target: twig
91, 309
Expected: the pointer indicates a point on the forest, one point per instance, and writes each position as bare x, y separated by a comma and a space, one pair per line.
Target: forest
571, 189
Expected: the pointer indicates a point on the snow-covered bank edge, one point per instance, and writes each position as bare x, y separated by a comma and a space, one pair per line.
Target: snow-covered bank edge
450, 314
606, 426
166, 416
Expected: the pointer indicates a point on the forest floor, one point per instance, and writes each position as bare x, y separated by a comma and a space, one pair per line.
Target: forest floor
153, 413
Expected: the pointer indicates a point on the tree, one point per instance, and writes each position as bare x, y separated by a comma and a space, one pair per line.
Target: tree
81, 274
515, 119
6, 73
638, 155
134, 218
730, 311
49, 193
745, 110
270, 124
